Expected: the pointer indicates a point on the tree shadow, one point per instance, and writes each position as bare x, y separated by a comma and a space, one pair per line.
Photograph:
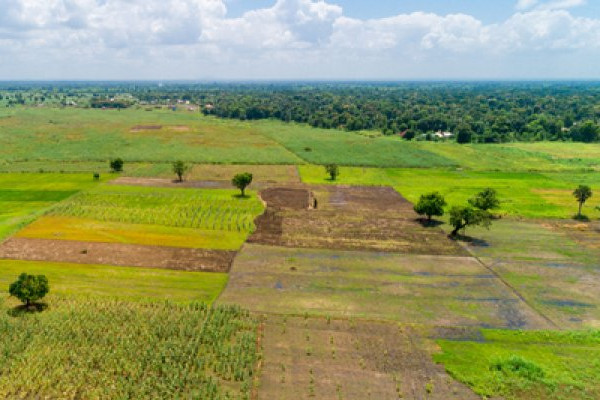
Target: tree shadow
23, 309
239, 196
429, 223
583, 218
475, 242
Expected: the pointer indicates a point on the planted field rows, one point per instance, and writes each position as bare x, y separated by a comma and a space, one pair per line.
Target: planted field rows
199, 209
111, 349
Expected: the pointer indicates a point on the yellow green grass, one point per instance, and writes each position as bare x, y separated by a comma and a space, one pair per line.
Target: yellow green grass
72, 228
525, 194
124, 283
25, 196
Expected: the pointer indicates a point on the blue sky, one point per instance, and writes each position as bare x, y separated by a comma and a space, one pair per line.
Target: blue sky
299, 39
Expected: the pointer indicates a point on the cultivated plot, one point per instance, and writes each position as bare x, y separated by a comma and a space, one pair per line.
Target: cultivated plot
361, 218
339, 359
139, 226
435, 290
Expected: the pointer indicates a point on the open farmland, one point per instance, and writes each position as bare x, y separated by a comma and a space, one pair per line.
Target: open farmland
525, 194
23, 197
94, 348
141, 226
360, 218
350, 359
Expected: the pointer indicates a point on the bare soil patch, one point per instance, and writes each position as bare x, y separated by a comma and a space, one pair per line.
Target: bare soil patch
170, 183
119, 254
348, 218
340, 359
179, 128
140, 128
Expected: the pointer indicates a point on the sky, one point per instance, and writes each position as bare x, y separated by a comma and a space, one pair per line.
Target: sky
299, 39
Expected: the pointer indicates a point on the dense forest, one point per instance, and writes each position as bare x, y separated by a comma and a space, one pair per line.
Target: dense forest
489, 112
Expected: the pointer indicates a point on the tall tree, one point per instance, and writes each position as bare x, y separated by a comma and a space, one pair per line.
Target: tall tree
582, 194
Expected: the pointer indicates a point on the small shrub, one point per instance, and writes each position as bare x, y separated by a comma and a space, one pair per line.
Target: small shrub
96, 176
520, 367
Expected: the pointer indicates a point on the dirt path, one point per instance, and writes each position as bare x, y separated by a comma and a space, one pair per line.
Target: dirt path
119, 254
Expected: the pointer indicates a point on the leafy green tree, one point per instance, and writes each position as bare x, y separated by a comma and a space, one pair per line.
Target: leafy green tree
485, 200
116, 165
587, 132
29, 288
180, 169
582, 194
464, 135
431, 204
333, 171
463, 216
241, 181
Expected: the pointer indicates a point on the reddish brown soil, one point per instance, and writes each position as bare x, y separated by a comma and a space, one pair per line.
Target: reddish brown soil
117, 254
349, 218
286, 198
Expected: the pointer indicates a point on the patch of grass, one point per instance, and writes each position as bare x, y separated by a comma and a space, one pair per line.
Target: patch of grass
400, 287
103, 348
71, 228
71, 134
124, 283
347, 148
24, 196
518, 364
525, 194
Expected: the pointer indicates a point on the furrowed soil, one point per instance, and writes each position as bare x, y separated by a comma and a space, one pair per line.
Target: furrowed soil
118, 254
308, 358
347, 218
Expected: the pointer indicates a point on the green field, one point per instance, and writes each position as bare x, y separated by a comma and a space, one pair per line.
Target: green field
203, 218
23, 197
123, 283
532, 365
71, 139
96, 348
525, 194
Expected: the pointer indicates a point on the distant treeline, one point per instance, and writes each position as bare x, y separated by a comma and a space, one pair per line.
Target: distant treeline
474, 112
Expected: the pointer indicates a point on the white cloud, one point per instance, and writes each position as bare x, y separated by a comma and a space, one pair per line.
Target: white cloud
294, 37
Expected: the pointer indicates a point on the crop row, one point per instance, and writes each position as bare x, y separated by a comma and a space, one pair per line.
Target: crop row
184, 211
110, 349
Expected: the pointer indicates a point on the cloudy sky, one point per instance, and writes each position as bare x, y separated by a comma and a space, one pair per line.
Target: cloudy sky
299, 39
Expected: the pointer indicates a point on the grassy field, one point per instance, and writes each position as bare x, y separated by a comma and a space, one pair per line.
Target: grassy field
51, 134
553, 265
23, 197
399, 287
71, 139
203, 218
101, 348
131, 284
518, 365
525, 194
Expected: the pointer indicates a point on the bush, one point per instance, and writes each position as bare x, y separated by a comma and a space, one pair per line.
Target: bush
29, 288
520, 367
